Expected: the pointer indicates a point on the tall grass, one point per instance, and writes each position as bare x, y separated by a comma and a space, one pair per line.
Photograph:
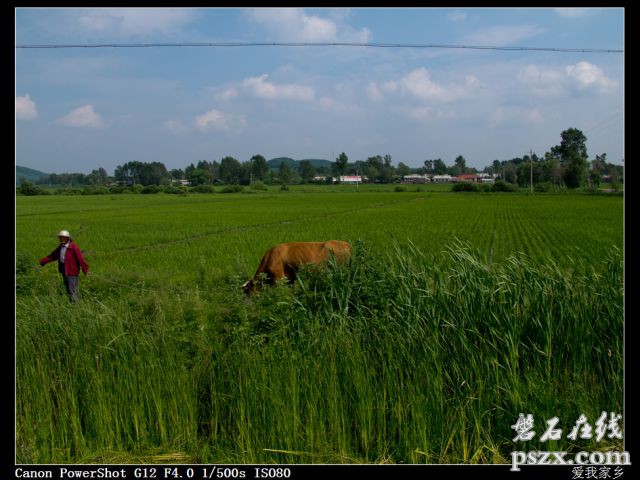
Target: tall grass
402, 357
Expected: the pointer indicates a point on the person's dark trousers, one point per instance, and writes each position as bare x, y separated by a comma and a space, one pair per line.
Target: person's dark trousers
71, 284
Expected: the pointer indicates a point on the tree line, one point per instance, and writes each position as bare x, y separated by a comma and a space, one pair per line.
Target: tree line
565, 164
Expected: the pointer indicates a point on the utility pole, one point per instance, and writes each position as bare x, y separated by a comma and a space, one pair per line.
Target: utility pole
531, 178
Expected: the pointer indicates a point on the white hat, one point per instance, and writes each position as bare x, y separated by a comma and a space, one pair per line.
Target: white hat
64, 233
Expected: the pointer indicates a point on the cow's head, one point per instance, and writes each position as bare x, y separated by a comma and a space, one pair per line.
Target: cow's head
248, 287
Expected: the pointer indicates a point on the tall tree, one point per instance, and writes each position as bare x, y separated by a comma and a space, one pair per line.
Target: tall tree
97, 177
460, 163
197, 176
230, 170
176, 173
573, 156
388, 171
153, 173
259, 167
211, 168
373, 168
428, 165
129, 172
306, 170
341, 163
403, 169
439, 167
285, 174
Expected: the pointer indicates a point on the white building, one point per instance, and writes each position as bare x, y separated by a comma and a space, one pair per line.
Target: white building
416, 179
181, 182
441, 178
351, 179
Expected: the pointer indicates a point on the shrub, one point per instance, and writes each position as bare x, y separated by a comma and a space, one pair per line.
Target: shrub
464, 187
202, 188
26, 271
68, 191
258, 186
150, 189
543, 187
232, 189
28, 188
399, 189
172, 189
94, 190
502, 186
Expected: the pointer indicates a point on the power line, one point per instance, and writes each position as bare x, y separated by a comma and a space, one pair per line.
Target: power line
602, 124
319, 44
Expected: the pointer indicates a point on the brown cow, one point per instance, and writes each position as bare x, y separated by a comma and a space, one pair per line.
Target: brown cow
285, 259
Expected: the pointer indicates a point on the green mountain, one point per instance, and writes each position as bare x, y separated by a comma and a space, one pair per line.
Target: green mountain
29, 173
275, 163
317, 162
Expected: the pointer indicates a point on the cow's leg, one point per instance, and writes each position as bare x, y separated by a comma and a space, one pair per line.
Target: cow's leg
290, 273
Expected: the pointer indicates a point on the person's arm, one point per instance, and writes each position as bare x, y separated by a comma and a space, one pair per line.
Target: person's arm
55, 255
83, 264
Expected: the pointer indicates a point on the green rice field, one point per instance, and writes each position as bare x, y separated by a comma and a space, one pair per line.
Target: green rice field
457, 312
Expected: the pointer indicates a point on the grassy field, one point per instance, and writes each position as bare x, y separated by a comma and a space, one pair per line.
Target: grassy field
457, 313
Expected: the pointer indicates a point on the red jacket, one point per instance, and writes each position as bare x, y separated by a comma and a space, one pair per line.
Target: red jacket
73, 260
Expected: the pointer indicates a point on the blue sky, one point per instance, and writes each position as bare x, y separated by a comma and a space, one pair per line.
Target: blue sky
79, 109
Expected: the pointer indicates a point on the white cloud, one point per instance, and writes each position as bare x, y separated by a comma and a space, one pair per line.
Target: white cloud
534, 115
25, 108
134, 21
390, 87
544, 82
587, 75
574, 12
501, 36
457, 16
337, 107
217, 120
83, 117
176, 126
261, 88
374, 93
554, 82
419, 113
419, 84
517, 115
225, 95
295, 25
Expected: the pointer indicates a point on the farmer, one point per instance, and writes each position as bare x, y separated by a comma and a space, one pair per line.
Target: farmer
70, 261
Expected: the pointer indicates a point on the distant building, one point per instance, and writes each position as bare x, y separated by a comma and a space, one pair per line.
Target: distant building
182, 182
416, 179
486, 178
441, 178
350, 179
467, 177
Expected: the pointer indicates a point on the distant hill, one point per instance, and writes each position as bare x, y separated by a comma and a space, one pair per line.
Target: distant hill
29, 173
275, 163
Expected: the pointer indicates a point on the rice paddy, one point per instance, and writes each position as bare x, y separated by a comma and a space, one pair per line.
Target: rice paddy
457, 313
